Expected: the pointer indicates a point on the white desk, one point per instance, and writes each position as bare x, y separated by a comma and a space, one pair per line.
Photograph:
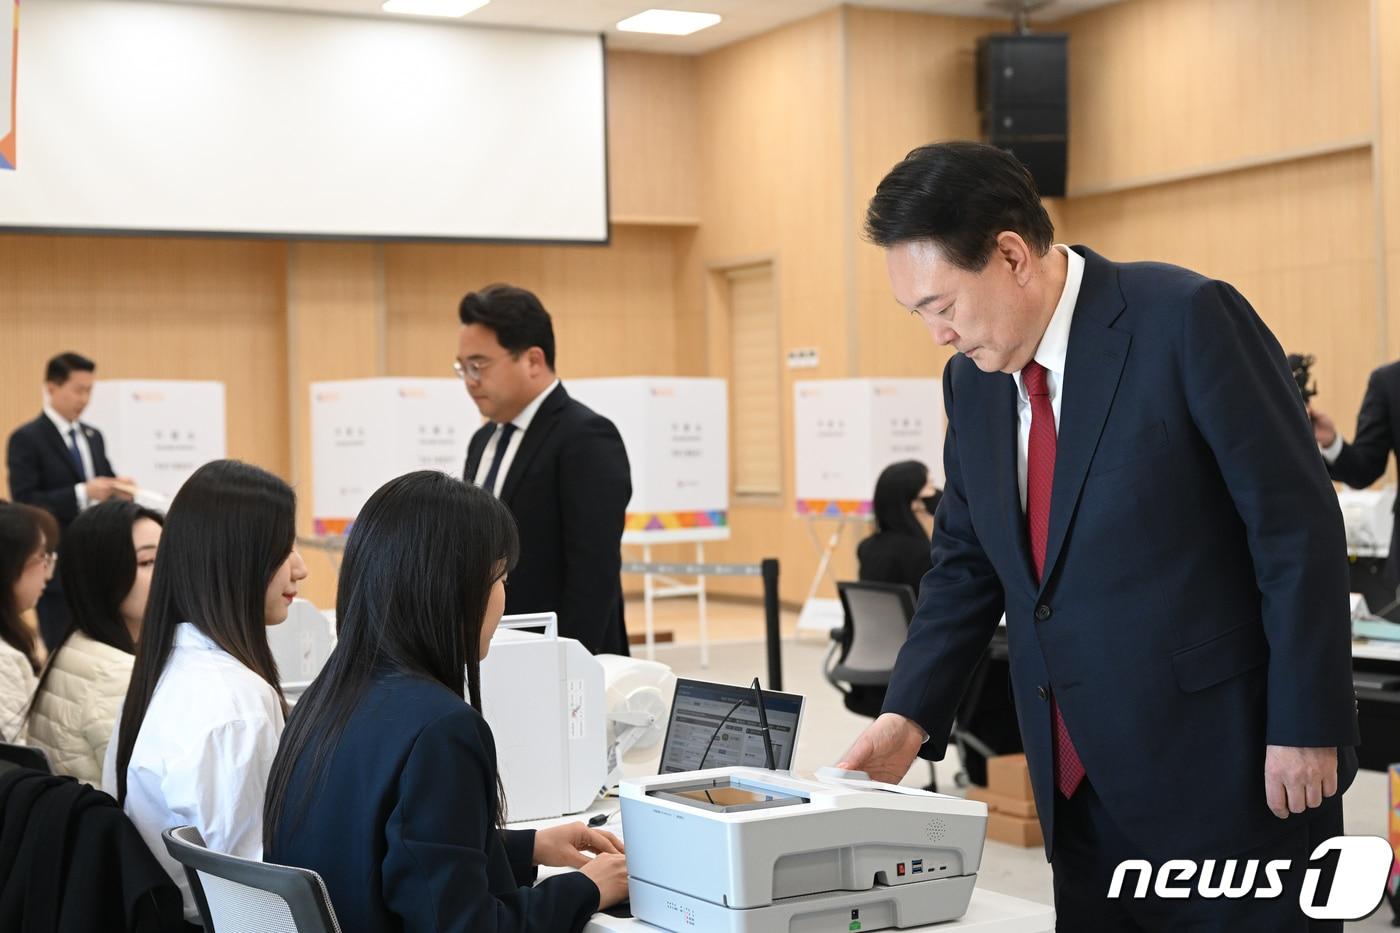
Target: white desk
989, 911
1376, 650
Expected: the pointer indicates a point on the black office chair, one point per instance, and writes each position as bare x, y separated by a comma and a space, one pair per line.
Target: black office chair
239, 895
23, 756
863, 650
862, 656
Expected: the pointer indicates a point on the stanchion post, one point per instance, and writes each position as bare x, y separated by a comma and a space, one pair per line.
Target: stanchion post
773, 633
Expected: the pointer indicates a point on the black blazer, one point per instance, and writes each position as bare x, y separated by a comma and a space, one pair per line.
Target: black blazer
42, 471
568, 488
399, 825
1363, 460
894, 557
102, 880
1193, 608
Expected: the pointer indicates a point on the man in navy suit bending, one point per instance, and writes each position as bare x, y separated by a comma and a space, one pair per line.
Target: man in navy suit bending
1132, 479
60, 464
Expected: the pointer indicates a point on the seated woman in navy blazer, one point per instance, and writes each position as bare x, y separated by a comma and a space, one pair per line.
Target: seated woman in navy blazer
385, 782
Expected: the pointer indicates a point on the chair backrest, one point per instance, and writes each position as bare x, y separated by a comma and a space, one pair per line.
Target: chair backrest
877, 622
301, 645
23, 756
239, 895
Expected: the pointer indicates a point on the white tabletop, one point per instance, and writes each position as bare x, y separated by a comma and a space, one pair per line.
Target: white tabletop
1376, 650
989, 912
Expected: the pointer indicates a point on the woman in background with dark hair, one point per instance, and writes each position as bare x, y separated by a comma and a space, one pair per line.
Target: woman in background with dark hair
25, 564
898, 551
204, 710
386, 781
108, 555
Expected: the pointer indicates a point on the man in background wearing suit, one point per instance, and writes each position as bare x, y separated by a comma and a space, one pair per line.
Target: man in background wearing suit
1362, 461
559, 466
59, 464
1132, 478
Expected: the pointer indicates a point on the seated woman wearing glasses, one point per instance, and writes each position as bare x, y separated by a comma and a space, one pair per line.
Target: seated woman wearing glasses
24, 568
108, 555
385, 783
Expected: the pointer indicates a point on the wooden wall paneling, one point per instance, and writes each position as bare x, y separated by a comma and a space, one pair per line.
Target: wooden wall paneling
912, 82
335, 330
150, 308
1293, 238
613, 306
1164, 86
1385, 18
772, 184
652, 171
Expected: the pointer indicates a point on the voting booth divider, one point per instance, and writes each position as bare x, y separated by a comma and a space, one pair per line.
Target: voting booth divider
159, 431
846, 432
676, 431
365, 432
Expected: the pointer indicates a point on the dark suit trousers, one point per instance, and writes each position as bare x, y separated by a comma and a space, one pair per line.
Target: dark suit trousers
1088, 847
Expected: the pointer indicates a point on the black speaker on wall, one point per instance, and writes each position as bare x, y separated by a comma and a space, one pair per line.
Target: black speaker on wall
1023, 97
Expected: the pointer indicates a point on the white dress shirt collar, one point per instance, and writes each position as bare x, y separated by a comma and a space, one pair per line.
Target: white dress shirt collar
1054, 344
188, 635
60, 422
522, 420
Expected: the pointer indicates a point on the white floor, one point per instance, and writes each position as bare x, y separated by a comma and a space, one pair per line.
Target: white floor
829, 728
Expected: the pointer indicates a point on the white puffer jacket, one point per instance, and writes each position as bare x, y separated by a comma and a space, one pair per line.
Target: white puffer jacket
17, 683
74, 717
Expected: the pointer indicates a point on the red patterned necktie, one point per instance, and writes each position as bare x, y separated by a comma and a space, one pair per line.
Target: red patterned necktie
1040, 477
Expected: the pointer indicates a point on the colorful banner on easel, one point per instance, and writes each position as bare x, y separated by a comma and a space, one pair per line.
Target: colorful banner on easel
9, 83
834, 508
675, 521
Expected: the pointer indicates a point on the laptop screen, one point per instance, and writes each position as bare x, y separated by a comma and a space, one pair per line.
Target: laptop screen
696, 712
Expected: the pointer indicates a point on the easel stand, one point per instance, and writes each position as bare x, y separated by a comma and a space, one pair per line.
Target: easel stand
668, 586
824, 614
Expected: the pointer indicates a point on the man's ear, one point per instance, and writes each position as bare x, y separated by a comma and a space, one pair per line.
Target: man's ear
1017, 254
537, 361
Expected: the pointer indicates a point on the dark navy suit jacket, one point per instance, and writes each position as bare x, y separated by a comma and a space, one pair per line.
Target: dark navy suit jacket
399, 825
41, 467
1363, 460
1193, 608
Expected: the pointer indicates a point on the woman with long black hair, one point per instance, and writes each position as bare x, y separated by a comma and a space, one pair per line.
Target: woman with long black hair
386, 781
898, 551
108, 555
24, 568
204, 710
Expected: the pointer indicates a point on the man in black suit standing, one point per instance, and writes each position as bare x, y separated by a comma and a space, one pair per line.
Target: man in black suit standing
559, 466
59, 464
1362, 461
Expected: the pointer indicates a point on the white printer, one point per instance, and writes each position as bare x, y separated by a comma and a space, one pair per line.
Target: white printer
746, 850
543, 698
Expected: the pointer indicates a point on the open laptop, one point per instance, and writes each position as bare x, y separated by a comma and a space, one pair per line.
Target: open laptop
697, 710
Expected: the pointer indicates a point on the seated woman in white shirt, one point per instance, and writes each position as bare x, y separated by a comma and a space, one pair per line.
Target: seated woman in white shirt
24, 567
204, 711
108, 555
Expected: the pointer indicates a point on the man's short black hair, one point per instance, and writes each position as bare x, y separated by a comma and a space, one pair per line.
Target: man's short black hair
960, 195
516, 317
65, 365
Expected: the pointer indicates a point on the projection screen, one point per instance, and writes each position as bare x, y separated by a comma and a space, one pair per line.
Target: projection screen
164, 117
